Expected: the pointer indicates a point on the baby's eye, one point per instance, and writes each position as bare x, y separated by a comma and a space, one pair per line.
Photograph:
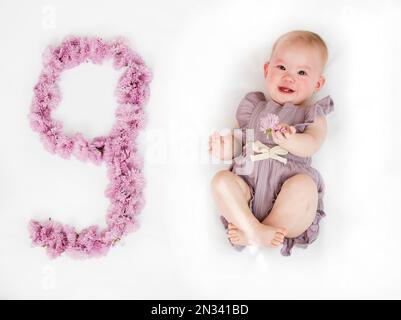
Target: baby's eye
302, 73
281, 67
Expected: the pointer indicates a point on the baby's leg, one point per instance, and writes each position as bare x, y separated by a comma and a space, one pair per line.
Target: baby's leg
232, 195
295, 206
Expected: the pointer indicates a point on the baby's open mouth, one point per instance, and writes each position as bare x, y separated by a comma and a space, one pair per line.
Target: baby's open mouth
285, 90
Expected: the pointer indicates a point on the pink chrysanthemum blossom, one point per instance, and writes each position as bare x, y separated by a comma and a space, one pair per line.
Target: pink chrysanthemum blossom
270, 123
118, 150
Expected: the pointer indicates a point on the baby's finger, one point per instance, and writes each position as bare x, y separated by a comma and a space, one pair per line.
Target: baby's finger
228, 139
221, 140
279, 135
278, 128
215, 142
293, 130
215, 135
282, 126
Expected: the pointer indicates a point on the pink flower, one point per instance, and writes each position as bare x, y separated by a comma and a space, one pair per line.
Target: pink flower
50, 235
270, 123
118, 150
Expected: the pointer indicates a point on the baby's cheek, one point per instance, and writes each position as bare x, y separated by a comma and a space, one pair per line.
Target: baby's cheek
305, 90
309, 87
271, 84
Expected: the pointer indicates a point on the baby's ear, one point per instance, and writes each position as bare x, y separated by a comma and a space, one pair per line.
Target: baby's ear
266, 68
320, 83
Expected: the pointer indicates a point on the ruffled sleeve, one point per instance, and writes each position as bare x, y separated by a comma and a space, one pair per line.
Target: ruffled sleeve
319, 108
246, 106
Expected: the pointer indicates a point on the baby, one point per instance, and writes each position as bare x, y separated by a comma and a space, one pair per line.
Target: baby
276, 197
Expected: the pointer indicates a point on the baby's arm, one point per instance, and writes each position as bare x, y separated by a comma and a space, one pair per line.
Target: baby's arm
303, 144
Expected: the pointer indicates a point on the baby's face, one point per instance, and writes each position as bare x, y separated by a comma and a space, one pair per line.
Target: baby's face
294, 72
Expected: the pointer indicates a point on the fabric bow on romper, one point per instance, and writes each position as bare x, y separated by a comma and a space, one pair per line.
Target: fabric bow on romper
266, 175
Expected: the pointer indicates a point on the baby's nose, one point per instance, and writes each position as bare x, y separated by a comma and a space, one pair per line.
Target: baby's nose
288, 78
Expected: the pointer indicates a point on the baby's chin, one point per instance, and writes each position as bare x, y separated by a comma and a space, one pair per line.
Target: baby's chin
283, 99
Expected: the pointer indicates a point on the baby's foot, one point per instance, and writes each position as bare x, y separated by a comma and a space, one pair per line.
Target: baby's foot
236, 236
266, 235
262, 235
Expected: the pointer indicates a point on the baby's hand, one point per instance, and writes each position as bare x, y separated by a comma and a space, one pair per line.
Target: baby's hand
283, 133
221, 147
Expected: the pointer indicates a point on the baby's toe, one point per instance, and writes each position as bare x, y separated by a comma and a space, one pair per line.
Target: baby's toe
232, 235
231, 226
279, 237
233, 239
275, 243
283, 231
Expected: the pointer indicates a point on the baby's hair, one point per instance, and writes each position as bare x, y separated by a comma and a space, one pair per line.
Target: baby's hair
307, 37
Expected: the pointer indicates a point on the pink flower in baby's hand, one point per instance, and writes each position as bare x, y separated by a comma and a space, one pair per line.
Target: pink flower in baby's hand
270, 123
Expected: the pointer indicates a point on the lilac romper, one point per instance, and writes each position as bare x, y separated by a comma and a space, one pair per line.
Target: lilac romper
266, 177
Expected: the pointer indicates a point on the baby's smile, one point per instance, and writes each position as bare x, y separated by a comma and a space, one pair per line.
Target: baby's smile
285, 90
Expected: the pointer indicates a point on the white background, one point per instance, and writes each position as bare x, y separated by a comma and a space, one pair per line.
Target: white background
205, 55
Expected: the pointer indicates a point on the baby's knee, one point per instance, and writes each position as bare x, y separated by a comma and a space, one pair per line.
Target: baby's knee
220, 179
300, 185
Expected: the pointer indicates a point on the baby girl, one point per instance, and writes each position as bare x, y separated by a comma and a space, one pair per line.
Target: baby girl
276, 197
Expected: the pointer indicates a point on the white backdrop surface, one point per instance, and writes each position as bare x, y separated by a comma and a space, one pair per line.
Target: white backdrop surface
205, 55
